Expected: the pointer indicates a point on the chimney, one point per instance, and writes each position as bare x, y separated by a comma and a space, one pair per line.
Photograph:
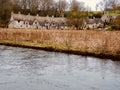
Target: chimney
29, 14
19, 12
47, 16
93, 17
37, 15
62, 15
12, 13
52, 16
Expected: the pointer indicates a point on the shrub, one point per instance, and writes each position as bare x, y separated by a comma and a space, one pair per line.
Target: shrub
116, 23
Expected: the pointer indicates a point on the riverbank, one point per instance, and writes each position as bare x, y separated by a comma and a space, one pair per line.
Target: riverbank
102, 44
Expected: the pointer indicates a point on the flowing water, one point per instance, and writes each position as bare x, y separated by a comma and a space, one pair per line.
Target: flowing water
28, 69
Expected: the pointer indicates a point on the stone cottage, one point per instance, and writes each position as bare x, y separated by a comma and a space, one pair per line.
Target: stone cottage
93, 23
96, 23
36, 22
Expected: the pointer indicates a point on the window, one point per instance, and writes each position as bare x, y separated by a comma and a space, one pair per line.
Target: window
35, 22
27, 23
18, 21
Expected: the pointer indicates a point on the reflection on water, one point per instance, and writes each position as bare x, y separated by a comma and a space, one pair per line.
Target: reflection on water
27, 69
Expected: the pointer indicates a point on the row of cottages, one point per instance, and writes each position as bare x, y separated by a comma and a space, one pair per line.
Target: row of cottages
36, 22
98, 23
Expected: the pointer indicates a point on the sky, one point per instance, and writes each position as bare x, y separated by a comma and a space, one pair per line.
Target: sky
90, 3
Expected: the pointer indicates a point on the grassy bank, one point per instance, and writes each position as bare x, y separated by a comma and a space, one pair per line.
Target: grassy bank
103, 44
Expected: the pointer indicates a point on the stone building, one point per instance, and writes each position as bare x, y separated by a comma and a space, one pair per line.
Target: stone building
94, 23
36, 22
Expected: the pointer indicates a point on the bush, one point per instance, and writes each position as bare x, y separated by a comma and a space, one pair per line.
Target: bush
116, 23
76, 20
115, 27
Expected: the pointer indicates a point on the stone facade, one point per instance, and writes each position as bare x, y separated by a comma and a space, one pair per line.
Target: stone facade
94, 23
36, 22
98, 23
21, 21
106, 18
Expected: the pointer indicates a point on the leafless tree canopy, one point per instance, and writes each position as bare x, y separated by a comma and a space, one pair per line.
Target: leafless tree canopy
108, 5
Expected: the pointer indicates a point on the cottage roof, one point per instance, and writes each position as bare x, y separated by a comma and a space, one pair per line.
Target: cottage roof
90, 21
39, 18
93, 21
98, 20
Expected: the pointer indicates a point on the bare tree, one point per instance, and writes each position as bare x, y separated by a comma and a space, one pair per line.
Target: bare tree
76, 5
61, 6
46, 4
103, 5
114, 4
108, 5
5, 11
76, 15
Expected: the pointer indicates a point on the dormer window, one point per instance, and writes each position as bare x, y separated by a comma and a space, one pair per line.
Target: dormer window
26, 23
53, 23
35, 22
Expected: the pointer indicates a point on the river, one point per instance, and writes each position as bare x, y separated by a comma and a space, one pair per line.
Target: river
29, 69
